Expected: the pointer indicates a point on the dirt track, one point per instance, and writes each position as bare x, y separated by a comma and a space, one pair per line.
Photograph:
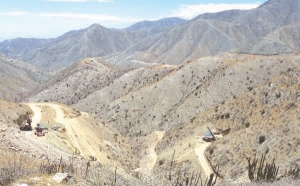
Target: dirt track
74, 132
200, 152
147, 163
37, 113
71, 125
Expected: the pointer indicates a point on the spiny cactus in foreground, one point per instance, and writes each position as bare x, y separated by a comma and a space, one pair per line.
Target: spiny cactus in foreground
264, 172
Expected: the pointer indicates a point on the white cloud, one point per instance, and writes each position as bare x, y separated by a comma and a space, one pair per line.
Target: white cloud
67, 0
14, 13
92, 17
105, 1
191, 11
100, 18
100, 1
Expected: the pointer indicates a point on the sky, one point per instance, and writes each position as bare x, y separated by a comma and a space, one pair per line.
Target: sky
52, 18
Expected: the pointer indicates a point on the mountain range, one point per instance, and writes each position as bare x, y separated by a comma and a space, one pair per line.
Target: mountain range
170, 40
18, 78
142, 98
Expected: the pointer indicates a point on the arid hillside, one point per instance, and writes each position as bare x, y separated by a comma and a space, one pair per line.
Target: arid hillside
171, 40
139, 102
68, 130
70, 134
146, 99
19, 78
263, 120
269, 109
165, 108
283, 40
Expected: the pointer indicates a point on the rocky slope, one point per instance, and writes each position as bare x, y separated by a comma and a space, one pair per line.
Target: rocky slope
19, 47
162, 23
89, 150
284, 40
94, 41
205, 37
264, 120
270, 110
211, 34
162, 95
90, 42
253, 95
19, 78
168, 42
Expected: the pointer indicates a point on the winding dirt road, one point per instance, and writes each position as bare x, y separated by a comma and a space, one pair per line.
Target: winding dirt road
37, 113
200, 152
60, 118
147, 163
74, 131
81, 133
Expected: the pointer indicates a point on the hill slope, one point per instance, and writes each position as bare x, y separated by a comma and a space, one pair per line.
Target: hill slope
162, 23
176, 103
283, 40
270, 110
90, 42
172, 40
174, 93
19, 47
212, 34
19, 78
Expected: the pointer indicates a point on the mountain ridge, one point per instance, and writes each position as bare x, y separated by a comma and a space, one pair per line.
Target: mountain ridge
170, 40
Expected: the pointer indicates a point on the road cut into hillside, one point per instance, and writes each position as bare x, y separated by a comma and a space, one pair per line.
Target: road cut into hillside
81, 133
37, 114
60, 118
149, 160
200, 152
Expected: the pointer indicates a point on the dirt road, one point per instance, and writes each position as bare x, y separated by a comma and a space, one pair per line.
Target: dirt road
147, 163
37, 113
60, 118
200, 152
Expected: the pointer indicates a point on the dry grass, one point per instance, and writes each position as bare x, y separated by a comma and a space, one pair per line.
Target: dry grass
18, 168
14, 166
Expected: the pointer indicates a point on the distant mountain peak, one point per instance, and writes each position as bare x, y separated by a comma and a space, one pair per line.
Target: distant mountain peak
165, 22
270, 2
95, 26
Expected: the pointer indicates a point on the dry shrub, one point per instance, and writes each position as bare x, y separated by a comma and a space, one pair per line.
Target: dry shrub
14, 166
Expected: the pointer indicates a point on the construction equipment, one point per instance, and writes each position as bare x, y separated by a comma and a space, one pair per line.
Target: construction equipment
40, 130
27, 125
224, 132
211, 137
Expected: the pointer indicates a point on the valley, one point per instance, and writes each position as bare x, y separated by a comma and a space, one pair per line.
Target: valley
135, 106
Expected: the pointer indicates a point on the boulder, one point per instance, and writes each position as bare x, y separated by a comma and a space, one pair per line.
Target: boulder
61, 177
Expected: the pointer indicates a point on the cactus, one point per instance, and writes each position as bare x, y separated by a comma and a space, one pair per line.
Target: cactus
294, 173
264, 172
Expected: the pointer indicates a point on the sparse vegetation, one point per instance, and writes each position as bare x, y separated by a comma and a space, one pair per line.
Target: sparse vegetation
261, 139
293, 173
135, 112
263, 172
227, 116
247, 124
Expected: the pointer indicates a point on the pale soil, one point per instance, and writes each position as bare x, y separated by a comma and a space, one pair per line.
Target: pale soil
37, 113
200, 152
149, 160
59, 118
82, 134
